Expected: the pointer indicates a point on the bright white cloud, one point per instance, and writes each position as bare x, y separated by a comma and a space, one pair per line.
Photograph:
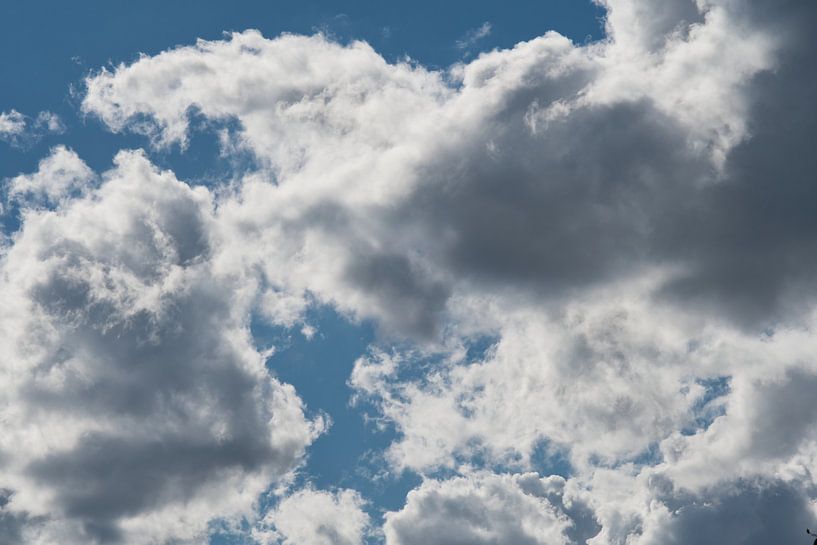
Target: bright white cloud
315, 517
492, 509
58, 176
603, 380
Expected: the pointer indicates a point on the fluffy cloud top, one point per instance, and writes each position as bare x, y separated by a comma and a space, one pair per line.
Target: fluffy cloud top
312, 517
629, 221
491, 509
59, 176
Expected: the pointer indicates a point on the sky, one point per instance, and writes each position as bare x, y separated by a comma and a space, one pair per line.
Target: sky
357, 273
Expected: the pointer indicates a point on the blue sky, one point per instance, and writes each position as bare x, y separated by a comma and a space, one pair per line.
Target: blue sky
473, 282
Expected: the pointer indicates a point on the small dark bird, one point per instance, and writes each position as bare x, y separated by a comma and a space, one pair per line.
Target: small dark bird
809, 532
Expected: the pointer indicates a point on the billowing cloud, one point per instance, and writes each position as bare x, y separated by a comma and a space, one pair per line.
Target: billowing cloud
315, 517
59, 176
627, 224
135, 407
492, 509
749, 513
602, 381
550, 167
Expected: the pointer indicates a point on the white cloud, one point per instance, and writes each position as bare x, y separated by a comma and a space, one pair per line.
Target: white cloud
485, 508
629, 219
604, 380
315, 517
19, 129
474, 35
135, 407
50, 122
12, 123
58, 176
386, 195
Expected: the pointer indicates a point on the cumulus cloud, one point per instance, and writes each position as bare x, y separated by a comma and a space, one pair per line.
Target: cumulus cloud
749, 513
549, 166
135, 407
602, 381
315, 517
492, 509
629, 221
58, 177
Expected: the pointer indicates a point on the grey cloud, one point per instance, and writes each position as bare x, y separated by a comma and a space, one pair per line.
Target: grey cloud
741, 513
608, 190
560, 212
108, 478
584, 524
783, 416
12, 525
652, 22
747, 239
413, 303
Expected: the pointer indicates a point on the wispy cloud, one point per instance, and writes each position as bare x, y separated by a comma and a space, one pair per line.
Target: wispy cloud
21, 130
12, 124
474, 35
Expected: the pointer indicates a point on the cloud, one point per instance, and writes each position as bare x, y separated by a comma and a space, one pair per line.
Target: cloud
49, 122
550, 167
12, 124
20, 130
629, 221
749, 513
602, 381
59, 176
136, 408
474, 35
653, 510
491, 509
315, 517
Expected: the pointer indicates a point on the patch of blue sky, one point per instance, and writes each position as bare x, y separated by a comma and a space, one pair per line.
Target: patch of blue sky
550, 459
650, 456
709, 406
545, 460
479, 348
222, 533
319, 368
349, 453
